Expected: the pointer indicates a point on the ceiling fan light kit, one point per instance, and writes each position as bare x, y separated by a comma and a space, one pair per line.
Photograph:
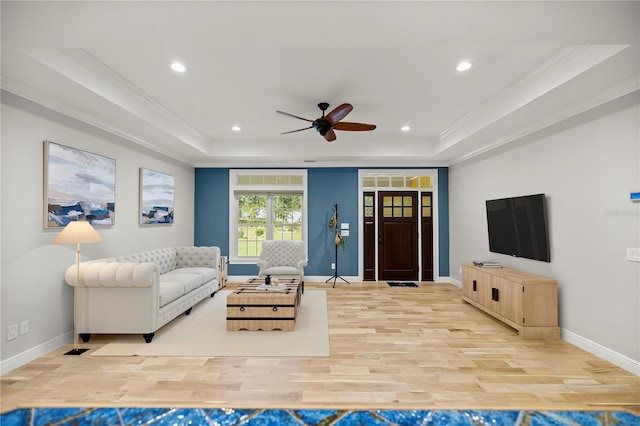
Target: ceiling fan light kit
326, 125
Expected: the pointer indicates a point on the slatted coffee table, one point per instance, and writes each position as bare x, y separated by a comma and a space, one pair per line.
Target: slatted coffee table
249, 308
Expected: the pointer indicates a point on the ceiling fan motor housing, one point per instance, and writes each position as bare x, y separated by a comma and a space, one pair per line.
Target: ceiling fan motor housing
322, 126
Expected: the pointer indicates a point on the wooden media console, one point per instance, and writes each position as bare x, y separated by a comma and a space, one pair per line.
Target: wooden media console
526, 302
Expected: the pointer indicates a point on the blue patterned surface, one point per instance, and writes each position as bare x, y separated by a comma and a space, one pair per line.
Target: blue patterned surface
275, 417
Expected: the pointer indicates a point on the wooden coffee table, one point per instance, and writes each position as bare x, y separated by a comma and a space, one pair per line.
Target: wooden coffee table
249, 308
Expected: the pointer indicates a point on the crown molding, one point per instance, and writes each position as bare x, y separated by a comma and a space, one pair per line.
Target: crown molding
600, 98
84, 69
566, 65
19, 89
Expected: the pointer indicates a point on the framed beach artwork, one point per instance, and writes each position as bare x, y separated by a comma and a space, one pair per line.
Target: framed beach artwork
156, 197
78, 186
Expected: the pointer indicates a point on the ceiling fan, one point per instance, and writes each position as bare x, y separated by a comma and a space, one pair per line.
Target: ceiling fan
326, 125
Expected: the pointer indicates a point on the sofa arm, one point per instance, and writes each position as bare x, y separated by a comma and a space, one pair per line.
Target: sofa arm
301, 264
114, 274
262, 265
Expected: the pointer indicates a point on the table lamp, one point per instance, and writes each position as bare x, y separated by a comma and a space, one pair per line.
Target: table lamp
77, 232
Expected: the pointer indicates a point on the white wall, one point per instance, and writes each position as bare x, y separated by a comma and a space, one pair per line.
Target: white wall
587, 166
32, 286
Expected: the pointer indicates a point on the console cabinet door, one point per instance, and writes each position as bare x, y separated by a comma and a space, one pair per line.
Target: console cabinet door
507, 299
470, 283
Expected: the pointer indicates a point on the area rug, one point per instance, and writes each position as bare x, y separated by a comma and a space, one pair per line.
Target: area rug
402, 284
327, 416
204, 334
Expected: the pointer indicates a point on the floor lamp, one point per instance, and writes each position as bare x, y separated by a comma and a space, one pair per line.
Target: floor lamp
76, 233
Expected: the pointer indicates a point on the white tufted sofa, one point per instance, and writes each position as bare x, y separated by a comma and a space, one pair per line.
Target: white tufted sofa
139, 293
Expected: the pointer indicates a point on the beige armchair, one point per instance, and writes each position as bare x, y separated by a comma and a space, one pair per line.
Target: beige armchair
282, 258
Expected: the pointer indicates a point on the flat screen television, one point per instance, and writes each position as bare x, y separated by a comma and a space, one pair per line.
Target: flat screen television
518, 227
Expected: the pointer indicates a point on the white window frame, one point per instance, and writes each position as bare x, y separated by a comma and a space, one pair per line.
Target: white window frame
234, 188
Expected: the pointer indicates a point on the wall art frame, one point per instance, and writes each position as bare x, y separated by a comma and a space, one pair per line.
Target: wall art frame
78, 185
157, 194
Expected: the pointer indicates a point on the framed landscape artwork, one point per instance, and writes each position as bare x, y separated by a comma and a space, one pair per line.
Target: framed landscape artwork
78, 186
156, 197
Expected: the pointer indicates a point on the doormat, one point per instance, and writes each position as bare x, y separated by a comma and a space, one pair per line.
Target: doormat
402, 284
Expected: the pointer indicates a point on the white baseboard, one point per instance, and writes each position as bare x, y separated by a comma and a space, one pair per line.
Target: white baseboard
452, 281
325, 278
307, 279
622, 361
34, 353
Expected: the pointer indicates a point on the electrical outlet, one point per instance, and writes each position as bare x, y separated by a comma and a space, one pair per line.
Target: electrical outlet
12, 332
333, 266
24, 327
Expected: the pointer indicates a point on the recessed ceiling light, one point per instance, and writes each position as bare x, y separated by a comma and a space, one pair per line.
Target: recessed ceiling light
463, 66
236, 128
178, 67
405, 128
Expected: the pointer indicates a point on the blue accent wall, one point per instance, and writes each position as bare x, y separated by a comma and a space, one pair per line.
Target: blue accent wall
326, 187
443, 221
211, 220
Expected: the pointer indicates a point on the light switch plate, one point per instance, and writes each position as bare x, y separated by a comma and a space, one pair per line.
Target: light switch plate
633, 254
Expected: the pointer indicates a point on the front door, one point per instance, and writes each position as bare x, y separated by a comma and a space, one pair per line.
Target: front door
397, 236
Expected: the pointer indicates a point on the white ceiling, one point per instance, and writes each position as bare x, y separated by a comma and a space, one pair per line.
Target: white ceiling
107, 63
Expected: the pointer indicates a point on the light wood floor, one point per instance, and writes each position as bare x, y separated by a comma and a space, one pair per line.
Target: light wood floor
396, 348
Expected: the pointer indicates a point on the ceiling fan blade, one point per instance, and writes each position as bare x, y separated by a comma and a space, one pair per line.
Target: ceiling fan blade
330, 136
338, 113
294, 116
354, 127
299, 130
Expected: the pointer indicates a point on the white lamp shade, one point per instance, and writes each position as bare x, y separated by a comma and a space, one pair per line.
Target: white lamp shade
78, 233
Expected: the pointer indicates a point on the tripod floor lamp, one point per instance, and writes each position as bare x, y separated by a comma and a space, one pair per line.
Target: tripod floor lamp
78, 232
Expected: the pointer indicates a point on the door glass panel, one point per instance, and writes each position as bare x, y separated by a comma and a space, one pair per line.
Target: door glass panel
368, 211
408, 201
368, 200
425, 181
369, 181
397, 181
383, 181
426, 212
387, 212
397, 201
397, 212
426, 200
408, 212
387, 201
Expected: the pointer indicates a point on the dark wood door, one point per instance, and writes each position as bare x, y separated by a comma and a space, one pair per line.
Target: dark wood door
369, 236
397, 236
426, 232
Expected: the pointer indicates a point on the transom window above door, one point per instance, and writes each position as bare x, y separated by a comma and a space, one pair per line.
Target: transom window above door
397, 181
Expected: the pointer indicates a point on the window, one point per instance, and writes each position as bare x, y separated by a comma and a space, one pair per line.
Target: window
265, 205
